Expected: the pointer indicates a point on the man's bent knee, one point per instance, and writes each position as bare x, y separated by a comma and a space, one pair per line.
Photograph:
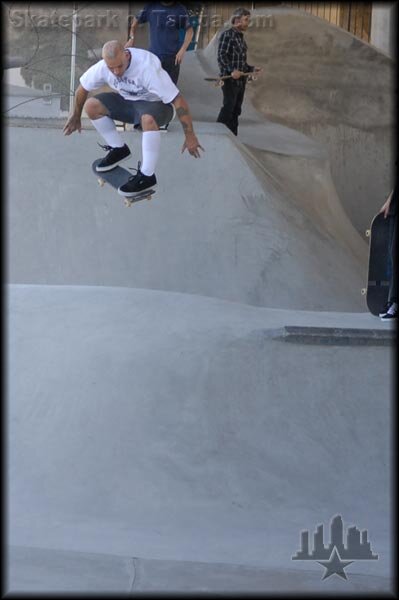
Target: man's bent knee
95, 109
148, 123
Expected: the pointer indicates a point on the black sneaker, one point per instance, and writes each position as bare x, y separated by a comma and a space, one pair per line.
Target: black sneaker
137, 183
392, 313
384, 310
113, 158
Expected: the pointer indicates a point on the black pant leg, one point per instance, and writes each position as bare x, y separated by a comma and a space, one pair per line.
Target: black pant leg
168, 63
238, 104
393, 287
228, 113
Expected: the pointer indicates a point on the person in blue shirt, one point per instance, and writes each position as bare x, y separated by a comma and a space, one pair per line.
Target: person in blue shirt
165, 19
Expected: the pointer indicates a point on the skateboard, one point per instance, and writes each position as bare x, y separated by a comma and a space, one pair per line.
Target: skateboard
380, 264
117, 177
219, 81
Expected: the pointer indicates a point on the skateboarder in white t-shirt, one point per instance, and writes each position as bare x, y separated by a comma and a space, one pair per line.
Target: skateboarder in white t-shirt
144, 94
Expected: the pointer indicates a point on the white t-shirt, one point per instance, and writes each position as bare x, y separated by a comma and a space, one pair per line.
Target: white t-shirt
144, 79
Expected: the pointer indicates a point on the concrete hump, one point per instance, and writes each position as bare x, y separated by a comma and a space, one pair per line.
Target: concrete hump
227, 229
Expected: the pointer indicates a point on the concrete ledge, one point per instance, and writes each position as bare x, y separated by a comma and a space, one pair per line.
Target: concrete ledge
337, 336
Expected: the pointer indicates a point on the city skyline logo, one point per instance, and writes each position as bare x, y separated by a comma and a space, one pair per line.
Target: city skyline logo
336, 556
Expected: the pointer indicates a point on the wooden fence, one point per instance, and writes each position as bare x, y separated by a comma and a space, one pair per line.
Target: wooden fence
354, 17
351, 16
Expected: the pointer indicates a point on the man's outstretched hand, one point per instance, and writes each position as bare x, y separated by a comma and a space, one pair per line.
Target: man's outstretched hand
192, 145
73, 124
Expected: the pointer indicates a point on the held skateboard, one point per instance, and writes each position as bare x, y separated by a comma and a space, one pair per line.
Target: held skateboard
219, 81
380, 264
117, 177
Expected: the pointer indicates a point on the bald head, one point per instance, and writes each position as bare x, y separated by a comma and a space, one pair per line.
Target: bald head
112, 49
116, 57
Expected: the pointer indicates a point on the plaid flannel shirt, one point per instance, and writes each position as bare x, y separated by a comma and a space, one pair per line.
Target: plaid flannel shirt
232, 52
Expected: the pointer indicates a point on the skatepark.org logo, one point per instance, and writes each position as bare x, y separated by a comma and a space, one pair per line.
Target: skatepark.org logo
336, 557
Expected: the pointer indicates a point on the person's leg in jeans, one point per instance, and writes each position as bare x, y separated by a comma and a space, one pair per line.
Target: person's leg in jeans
173, 70
391, 312
393, 287
238, 105
227, 114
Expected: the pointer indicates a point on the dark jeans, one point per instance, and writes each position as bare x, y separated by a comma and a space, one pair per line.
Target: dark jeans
233, 96
168, 63
393, 286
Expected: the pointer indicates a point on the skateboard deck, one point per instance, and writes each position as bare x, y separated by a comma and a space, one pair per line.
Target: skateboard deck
117, 177
380, 264
219, 81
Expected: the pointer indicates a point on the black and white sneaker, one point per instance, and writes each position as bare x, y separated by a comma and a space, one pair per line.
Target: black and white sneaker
114, 157
137, 183
392, 313
385, 309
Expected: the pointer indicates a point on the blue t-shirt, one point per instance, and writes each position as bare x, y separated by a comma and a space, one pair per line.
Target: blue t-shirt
164, 22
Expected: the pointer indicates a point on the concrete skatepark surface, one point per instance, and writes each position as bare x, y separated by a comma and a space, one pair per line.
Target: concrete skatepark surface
201, 380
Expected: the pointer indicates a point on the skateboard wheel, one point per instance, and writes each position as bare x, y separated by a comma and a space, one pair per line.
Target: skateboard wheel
220, 83
254, 78
364, 291
127, 203
368, 232
101, 182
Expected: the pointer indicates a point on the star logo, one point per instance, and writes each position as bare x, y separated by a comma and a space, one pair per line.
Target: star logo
334, 565
356, 546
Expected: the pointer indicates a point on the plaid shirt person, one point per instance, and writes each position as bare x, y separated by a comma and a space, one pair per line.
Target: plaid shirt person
232, 61
232, 53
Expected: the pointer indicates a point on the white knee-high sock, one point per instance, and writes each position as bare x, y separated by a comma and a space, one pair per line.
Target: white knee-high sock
150, 147
107, 129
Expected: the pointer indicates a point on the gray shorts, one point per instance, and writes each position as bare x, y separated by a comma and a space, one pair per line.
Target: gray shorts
131, 111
